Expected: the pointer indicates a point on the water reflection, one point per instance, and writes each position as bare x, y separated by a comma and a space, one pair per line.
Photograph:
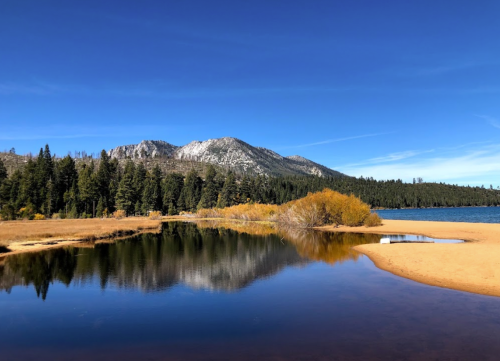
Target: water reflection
211, 256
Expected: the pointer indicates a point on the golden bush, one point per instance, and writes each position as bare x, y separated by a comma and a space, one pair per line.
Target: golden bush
119, 214
208, 213
354, 212
39, 217
315, 209
373, 220
155, 215
251, 212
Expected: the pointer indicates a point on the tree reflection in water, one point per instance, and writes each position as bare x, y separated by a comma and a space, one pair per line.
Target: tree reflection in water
218, 256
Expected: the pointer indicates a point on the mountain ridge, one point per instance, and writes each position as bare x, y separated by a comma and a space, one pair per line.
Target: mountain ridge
227, 152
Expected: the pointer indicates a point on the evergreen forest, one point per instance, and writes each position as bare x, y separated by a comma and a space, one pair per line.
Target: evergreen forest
57, 187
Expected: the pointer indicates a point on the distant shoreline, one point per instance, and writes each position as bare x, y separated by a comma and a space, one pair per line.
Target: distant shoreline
473, 266
398, 209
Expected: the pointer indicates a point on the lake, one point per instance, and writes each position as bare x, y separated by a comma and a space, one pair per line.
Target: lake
462, 214
206, 292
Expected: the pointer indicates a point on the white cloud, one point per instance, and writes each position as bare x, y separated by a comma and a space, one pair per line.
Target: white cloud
480, 166
328, 141
492, 121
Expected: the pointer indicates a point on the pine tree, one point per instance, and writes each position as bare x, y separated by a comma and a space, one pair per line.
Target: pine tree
113, 185
229, 192
66, 176
125, 194
172, 188
245, 190
151, 199
139, 182
71, 198
48, 163
3, 172
103, 178
73, 213
5, 186
87, 187
100, 208
49, 206
43, 174
28, 185
210, 190
191, 192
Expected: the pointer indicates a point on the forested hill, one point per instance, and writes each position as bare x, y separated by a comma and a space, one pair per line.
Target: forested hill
49, 186
389, 194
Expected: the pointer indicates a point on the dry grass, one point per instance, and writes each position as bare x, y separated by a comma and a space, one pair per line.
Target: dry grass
72, 229
155, 215
316, 209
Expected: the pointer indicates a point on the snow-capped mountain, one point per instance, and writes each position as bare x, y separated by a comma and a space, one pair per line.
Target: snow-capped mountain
229, 153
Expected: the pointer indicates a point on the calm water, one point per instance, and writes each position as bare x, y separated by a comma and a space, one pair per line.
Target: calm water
215, 294
463, 214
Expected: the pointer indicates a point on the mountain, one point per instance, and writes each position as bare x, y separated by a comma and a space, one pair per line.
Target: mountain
145, 149
229, 153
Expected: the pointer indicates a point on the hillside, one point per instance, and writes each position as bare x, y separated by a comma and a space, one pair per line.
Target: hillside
228, 153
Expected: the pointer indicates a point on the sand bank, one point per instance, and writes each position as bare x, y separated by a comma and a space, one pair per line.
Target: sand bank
473, 266
30, 236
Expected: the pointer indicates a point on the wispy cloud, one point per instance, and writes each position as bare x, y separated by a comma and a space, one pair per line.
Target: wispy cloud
492, 121
448, 68
328, 141
470, 166
14, 88
392, 157
161, 90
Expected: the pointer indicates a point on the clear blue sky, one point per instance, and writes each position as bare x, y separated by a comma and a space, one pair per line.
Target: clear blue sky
389, 89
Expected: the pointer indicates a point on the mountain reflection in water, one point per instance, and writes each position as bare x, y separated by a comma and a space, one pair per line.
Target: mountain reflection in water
213, 256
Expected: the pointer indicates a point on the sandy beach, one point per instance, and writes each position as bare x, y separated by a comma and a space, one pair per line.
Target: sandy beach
473, 266
31, 236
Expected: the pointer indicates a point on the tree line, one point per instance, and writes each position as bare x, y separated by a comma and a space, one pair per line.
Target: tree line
48, 185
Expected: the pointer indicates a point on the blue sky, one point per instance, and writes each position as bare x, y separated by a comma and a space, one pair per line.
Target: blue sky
389, 89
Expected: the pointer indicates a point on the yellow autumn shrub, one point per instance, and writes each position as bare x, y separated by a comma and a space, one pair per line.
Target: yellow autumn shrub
373, 220
39, 217
315, 209
208, 213
119, 214
354, 211
155, 215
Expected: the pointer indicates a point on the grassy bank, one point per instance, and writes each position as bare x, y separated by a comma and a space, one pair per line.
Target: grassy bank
13, 234
316, 209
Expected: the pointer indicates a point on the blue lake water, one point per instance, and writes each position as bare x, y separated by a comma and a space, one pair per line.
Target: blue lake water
463, 214
208, 293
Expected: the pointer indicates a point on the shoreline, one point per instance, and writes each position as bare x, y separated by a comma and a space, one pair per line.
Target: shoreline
472, 266
34, 236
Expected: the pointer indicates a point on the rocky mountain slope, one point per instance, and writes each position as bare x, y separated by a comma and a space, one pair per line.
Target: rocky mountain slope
229, 153
145, 149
